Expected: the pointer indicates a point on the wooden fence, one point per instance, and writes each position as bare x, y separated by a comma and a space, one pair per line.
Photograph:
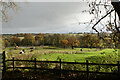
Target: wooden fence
58, 62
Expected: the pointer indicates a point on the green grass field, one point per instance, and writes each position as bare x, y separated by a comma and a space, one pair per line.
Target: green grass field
70, 55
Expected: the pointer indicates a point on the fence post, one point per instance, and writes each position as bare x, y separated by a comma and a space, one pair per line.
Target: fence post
4, 64
118, 67
60, 68
13, 64
87, 69
35, 64
75, 66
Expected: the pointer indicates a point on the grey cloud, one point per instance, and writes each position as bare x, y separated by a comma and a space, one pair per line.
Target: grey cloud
44, 17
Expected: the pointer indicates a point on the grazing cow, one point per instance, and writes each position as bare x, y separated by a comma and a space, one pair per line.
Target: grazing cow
21, 52
80, 49
32, 48
44, 53
103, 53
16, 47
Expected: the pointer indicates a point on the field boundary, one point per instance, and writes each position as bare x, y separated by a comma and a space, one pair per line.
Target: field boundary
87, 64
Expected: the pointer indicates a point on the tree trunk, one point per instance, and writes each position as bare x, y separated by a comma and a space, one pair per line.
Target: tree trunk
64, 47
116, 6
72, 47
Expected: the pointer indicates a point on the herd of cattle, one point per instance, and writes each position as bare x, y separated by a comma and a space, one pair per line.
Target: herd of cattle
23, 51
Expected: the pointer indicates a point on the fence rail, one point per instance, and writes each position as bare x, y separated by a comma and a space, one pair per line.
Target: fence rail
60, 68
64, 62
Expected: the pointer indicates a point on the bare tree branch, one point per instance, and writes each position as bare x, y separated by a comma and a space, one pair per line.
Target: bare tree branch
100, 20
5, 7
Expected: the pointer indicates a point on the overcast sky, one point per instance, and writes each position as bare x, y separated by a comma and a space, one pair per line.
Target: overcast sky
48, 17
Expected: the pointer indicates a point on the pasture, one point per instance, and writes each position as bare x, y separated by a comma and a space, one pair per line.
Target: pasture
46, 53
70, 55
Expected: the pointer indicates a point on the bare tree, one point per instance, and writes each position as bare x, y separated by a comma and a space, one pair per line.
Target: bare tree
110, 7
5, 6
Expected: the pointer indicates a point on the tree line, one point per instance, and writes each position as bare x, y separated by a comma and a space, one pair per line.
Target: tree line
57, 40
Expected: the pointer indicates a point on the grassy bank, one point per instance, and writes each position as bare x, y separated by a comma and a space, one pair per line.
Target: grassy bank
70, 55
